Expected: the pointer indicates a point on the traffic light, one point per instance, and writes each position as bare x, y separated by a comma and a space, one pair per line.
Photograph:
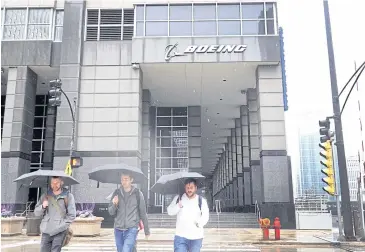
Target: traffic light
328, 170
55, 93
324, 130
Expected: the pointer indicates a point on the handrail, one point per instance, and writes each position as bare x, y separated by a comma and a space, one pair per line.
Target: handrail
257, 211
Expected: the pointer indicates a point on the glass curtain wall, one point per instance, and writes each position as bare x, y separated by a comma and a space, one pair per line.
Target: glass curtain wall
171, 143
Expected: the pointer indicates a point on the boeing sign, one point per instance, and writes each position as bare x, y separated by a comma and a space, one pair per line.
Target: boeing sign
172, 51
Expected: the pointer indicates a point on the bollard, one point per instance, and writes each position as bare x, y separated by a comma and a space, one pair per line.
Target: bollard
277, 227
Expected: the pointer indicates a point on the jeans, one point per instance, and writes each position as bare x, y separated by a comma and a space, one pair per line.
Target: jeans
185, 245
52, 243
125, 239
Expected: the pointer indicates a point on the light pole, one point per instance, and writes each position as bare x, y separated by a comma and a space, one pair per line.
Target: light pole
345, 194
55, 93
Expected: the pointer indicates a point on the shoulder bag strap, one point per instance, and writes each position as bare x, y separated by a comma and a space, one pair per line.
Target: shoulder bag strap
57, 206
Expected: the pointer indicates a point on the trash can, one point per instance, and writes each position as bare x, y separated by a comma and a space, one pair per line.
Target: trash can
33, 225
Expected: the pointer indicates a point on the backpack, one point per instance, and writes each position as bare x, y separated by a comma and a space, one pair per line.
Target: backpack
200, 199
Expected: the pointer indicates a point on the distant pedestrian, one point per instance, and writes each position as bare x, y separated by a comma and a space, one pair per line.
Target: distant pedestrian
58, 209
128, 208
192, 215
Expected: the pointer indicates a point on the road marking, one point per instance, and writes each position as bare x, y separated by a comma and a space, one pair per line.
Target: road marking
19, 244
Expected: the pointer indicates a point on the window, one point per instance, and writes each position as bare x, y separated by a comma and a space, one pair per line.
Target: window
103, 25
58, 26
172, 149
234, 19
39, 132
3, 99
31, 24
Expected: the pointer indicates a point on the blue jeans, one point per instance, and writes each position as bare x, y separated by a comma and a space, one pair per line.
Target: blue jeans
125, 239
185, 245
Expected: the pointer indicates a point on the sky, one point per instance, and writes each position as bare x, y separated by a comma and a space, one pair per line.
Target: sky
307, 67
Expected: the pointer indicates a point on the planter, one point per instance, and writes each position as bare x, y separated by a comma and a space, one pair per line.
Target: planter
12, 226
87, 226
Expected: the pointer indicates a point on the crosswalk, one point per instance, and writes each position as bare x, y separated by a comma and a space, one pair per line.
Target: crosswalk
88, 247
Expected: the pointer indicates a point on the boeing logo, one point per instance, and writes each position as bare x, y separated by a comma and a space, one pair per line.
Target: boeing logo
172, 51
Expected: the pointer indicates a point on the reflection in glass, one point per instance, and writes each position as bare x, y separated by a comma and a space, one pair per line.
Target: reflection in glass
139, 12
36, 157
252, 11
269, 10
39, 16
180, 152
37, 133
39, 111
139, 28
36, 145
15, 16
163, 111
14, 32
179, 163
156, 12
163, 152
163, 142
270, 26
180, 111
180, 12
204, 11
179, 131
156, 28
163, 131
38, 31
253, 27
180, 28
229, 27
180, 142
163, 121
205, 28
228, 11
180, 121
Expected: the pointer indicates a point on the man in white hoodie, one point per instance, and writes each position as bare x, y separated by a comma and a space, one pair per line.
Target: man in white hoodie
192, 215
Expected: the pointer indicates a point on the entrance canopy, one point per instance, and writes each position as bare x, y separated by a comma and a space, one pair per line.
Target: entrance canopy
219, 88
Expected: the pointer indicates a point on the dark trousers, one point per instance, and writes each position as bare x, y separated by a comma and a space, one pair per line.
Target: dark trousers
52, 243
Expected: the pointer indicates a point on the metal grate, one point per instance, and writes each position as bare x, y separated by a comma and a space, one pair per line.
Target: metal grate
109, 24
128, 16
127, 32
92, 17
110, 33
108, 17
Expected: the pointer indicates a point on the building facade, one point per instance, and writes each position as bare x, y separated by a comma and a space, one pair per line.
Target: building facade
162, 86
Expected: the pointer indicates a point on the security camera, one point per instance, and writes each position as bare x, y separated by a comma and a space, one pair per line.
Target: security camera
135, 65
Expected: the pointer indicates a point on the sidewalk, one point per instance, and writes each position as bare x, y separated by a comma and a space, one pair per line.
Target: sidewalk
229, 237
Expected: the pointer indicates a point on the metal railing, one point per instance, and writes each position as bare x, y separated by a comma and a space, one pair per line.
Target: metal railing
257, 211
26, 211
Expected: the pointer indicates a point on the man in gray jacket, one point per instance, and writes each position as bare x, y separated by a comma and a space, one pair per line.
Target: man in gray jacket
58, 209
128, 208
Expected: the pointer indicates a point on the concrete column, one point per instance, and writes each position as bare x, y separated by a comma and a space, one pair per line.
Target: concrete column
239, 179
146, 140
277, 189
254, 144
153, 156
195, 143
246, 157
230, 172
17, 134
234, 167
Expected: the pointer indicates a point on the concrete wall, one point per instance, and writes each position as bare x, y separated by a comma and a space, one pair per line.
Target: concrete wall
17, 135
152, 50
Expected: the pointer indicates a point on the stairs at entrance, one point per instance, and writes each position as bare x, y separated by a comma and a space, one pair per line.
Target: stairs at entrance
224, 220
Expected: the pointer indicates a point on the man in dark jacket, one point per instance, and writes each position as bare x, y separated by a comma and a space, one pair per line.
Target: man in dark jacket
58, 209
128, 208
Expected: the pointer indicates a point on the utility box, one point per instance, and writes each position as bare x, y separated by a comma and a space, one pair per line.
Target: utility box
314, 220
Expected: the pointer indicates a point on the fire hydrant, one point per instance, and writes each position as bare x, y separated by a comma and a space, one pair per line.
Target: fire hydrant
265, 225
277, 227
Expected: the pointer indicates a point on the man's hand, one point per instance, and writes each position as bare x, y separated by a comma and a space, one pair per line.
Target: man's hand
115, 200
180, 204
147, 237
45, 204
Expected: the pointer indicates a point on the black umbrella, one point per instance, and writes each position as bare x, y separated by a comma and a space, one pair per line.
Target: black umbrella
41, 178
174, 183
112, 173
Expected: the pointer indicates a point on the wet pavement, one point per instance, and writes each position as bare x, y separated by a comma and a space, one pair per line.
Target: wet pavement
229, 240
